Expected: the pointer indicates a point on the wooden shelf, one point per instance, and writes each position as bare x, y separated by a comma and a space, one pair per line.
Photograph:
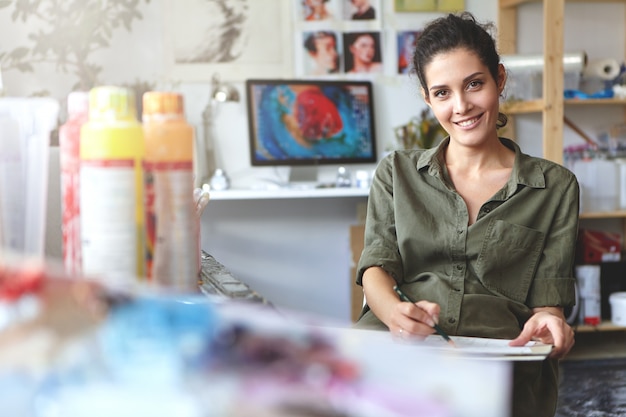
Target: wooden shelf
603, 215
596, 101
537, 106
596, 344
605, 326
522, 107
552, 103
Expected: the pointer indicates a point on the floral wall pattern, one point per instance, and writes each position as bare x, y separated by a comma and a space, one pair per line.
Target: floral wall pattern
62, 42
53, 47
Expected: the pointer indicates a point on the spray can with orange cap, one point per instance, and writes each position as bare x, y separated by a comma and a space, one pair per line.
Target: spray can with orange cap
172, 226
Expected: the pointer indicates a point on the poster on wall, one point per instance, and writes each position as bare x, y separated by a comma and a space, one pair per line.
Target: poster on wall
359, 10
429, 5
238, 39
333, 10
406, 41
318, 10
363, 52
335, 37
322, 53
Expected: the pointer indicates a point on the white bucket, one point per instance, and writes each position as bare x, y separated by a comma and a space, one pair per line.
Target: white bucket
618, 308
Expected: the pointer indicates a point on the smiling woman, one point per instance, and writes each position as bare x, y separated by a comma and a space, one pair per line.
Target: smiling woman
456, 226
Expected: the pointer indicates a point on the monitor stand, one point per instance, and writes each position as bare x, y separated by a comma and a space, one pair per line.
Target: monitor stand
303, 176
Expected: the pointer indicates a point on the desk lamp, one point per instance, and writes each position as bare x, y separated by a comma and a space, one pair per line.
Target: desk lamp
221, 93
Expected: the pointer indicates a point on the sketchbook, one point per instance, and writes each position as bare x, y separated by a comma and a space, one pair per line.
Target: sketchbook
489, 348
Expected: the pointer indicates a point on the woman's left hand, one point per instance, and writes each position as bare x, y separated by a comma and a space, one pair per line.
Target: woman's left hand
547, 325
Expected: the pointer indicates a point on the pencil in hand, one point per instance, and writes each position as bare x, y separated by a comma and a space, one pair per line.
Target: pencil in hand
438, 329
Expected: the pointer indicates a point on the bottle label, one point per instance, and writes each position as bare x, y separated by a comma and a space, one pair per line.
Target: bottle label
172, 251
109, 232
70, 215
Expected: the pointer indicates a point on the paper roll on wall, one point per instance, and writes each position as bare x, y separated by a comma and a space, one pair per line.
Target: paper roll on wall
572, 62
604, 69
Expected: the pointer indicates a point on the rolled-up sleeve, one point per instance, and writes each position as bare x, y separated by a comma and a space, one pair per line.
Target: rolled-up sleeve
381, 247
554, 278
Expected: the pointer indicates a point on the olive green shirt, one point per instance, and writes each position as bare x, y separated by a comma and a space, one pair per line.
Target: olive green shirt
486, 277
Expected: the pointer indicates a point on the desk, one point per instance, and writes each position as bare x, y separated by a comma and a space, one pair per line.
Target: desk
380, 356
289, 193
587, 386
152, 354
292, 246
399, 375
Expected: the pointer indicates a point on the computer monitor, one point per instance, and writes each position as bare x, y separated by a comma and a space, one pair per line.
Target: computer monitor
307, 123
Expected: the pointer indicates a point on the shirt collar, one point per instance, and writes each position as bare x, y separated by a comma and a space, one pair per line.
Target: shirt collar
526, 170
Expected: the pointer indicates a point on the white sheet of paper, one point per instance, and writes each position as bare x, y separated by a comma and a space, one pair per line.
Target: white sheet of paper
495, 348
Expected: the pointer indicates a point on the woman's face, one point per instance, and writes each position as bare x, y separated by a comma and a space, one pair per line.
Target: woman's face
363, 48
464, 96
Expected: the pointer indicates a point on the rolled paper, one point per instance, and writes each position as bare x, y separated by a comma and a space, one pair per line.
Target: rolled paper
604, 69
572, 62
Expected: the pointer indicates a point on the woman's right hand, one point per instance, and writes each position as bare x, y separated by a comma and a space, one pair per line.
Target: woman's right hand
414, 319
401, 317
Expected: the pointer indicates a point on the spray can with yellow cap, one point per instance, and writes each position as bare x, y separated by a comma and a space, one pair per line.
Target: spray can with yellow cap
111, 186
172, 226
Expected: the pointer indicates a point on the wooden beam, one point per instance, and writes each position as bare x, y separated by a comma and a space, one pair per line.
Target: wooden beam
507, 31
506, 4
553, 15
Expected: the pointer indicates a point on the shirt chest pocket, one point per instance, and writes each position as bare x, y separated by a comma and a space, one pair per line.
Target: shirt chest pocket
508, 259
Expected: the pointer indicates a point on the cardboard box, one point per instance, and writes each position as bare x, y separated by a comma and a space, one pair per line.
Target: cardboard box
356, 247
597, 246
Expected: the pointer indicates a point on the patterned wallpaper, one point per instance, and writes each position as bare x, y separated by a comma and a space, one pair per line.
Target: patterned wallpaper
52, 47
57, 46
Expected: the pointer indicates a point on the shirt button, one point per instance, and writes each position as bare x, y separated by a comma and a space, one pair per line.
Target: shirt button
460, 231
451, 320
487, 209
459, 267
